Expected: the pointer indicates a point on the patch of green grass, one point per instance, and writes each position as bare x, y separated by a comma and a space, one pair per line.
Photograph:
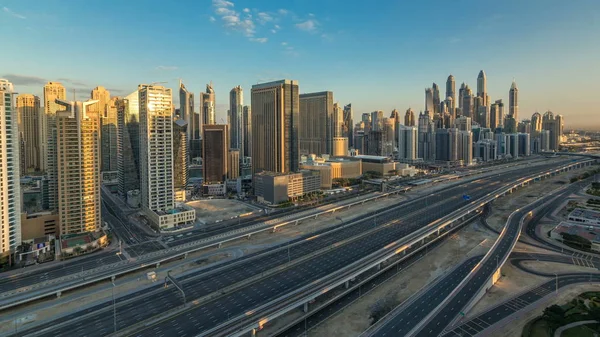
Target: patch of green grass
588, 330
537, 328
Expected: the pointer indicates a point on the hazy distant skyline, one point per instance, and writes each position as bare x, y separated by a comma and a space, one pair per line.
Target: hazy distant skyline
377, 57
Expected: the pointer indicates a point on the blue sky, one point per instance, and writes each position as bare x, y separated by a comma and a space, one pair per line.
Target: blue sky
378, 55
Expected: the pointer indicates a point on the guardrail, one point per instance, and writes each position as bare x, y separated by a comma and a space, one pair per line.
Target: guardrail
148, 260
7, 300
393, 249
486, 258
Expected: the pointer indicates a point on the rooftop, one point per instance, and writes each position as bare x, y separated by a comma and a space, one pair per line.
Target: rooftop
586, 214
588, 232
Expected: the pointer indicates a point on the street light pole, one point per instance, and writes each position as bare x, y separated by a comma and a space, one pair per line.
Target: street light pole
114, 307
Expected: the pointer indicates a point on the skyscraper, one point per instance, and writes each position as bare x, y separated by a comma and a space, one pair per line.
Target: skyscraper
377, 120
156, 148
436, 98
468, 104
554, 126
496, 114
52, 92
107, 112
180, 159
337, 124
409, 117
78, 153
465, 147
429, 105
395, 117
188, 114
28, 111
247, 131
348, 128
461, 94
427, 140
207, 107
536, 123
236, 111
482, 87
215, 153
407, 143
128, 144
316, 125
513, 101
10, 194
451, 91
275, 123
463, 123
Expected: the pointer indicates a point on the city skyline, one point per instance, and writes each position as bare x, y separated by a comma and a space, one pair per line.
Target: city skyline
392, 81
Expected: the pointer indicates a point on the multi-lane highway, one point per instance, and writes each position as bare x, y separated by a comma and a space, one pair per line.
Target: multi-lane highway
410, 315
479, 323
406, 219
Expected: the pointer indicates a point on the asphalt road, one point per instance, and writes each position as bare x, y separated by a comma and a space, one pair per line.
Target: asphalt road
36, 275
479, 323
412, 217
210, 314
436, 324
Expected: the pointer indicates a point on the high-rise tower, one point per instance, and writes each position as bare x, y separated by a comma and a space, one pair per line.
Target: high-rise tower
52, 92
236, 111
451, 91
192, 118
207, 106
28, 111
275, 123
436, 98
348, 128
10, 194
409, 117
156, 148
482, 87
128, 145
513, 101
247, 131
215, 153
78, 167
316, 125
429, 106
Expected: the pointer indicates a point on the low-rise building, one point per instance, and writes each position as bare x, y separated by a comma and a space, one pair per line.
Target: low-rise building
41, 224
334, 168
275, 188
380, 164
181, 215
585, 216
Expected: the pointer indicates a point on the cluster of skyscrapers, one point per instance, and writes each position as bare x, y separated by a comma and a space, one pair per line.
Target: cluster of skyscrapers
150, 151
459, 129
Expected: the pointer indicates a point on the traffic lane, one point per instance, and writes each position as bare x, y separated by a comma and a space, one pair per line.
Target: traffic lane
201, 235
408, 318
481, 322
274, 287
16, 281
229, 225
323, 267
439, 321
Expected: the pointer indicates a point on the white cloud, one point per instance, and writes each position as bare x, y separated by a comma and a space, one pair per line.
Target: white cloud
16, 15
264, 18
277, 27
326, 37
222, 3
283, 11
273, 31
212, 19
308, 25
311, 15
259, 39
284, 43
166, 68
224, 11
246, 10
